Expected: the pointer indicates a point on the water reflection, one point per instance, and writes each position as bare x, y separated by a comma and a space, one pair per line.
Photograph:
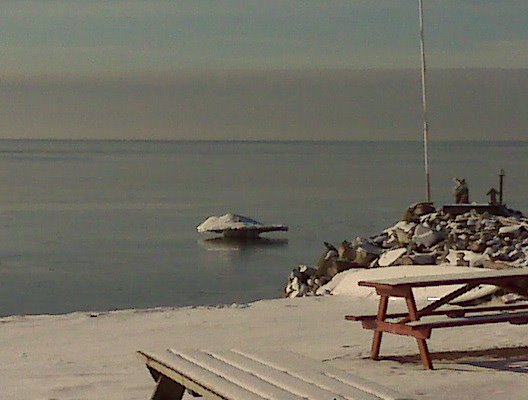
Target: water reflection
240, 244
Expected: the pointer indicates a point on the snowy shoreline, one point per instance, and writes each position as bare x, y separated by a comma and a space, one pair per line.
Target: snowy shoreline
86, 355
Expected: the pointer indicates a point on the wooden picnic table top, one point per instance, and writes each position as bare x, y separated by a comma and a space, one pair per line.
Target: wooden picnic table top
488, 276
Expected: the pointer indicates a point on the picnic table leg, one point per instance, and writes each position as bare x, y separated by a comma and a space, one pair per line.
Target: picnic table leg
376, 340
422, 344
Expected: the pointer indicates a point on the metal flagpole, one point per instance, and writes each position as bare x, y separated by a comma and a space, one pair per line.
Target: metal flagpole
424, 104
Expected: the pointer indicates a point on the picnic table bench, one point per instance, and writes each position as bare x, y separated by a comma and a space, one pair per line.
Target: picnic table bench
419, 323
243, 375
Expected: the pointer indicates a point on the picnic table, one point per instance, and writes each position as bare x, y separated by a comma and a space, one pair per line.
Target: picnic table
419, 323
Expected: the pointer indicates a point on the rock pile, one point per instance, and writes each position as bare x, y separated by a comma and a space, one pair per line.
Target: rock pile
425, 236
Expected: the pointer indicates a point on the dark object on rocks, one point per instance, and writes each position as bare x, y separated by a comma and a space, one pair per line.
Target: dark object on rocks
492, 193
493, 209
461, 191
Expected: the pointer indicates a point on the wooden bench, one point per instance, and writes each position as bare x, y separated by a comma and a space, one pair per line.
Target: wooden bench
242, 375
452, 312
420, 323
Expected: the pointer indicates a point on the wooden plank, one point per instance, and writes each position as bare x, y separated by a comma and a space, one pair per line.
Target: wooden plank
319, 373
489, 277
452, 311
237, 374
518, 317
206, 383
306, 383
402, 329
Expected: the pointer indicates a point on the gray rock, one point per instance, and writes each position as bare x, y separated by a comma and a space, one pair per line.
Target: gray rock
306, 270
366, 251
378, 240
405, 260
510, 230
295, 284
346, 251
367, 245
423, 238
427, 237
389, 257
510, 298
303, 290
402, 225
403, 236
363, 257
294, 293
391, 242
477, 246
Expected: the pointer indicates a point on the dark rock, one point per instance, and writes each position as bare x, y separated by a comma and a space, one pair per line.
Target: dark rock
423, 258
346, 251
415, 211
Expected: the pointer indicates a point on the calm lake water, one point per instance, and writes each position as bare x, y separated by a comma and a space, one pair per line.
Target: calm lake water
88, 225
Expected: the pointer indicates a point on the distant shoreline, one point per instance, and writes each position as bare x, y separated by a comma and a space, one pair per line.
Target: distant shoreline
237, 141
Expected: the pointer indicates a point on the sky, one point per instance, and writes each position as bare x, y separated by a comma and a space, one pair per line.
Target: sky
62, 58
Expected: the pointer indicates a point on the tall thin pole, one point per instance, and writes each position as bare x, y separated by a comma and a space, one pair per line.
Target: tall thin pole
424, 105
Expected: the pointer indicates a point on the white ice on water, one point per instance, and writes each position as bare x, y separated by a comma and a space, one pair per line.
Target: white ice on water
230, 222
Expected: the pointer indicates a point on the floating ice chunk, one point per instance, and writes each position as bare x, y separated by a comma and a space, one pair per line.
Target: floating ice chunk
237, 225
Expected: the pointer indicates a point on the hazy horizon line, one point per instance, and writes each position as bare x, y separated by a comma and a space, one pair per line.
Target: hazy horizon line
217, 72
260, 140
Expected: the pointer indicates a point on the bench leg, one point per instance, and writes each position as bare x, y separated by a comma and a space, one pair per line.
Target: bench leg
167, 389
422, 344
376, 340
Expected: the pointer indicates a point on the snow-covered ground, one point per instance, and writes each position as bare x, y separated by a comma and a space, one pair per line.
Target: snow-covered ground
92, 356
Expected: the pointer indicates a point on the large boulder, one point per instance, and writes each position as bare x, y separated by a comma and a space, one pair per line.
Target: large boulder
417, 210
427, 237
300, 282
326, 263
390, 257
366, 252
346, 251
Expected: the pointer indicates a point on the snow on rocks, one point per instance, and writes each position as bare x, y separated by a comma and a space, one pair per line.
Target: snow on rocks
426, 236
300, 281
390, 257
